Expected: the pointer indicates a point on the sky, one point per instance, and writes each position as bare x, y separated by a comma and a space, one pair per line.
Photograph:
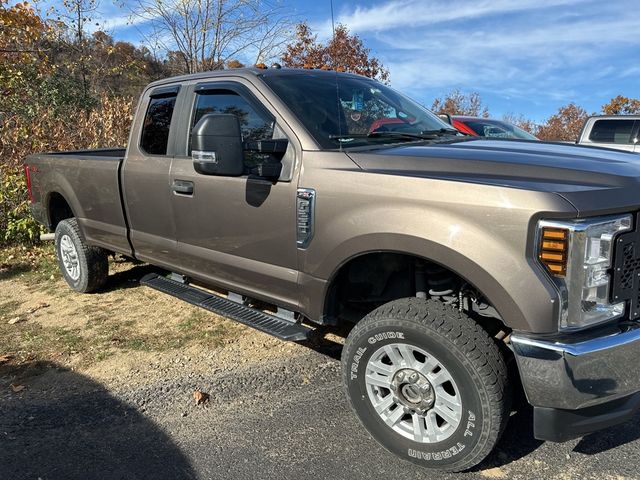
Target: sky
522, 56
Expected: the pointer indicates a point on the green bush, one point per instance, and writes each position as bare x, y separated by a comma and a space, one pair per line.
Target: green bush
16, 222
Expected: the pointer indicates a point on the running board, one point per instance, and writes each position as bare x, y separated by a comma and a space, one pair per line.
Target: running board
251, 317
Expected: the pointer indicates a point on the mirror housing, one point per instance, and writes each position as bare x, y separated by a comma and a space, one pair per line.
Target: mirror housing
216, 145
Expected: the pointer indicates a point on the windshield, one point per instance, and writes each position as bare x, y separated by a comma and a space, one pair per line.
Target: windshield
348, 111
497, 129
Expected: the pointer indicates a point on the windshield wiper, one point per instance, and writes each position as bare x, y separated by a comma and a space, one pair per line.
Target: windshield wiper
423, 135
441, 131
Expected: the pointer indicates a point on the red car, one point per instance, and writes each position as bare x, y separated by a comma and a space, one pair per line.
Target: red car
485, 127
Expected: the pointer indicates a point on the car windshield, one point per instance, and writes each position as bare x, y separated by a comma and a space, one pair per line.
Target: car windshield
349, 111
497, 129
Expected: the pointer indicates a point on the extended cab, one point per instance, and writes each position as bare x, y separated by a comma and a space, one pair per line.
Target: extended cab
324, 198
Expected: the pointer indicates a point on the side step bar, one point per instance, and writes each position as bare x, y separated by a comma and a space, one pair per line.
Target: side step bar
257, 319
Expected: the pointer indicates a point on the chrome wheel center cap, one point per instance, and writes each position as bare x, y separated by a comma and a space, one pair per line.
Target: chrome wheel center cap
413, 390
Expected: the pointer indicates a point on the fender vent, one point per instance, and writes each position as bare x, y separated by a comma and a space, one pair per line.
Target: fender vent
305, 210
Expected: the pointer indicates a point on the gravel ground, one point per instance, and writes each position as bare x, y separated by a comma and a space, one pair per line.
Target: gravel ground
280, 416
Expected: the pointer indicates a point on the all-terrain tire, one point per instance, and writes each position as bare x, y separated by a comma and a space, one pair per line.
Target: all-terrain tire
467, 353
87, 267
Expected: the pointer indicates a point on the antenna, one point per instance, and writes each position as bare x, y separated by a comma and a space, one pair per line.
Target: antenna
335, 71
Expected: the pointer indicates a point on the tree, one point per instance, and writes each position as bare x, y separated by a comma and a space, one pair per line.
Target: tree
23, 55
622, 106
204, 34
565, 124
343, 51
458, 103
74, 17
522, 122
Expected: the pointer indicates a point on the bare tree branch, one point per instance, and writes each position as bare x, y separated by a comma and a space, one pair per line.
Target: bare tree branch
206, 34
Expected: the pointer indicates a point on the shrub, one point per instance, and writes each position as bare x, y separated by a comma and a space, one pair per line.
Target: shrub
106, 125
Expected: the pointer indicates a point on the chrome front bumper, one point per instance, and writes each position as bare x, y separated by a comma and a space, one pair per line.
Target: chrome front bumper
579, 370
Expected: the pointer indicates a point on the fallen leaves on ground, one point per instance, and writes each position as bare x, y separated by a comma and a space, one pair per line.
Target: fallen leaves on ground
15, 320
17, 388
6, 357
200, 397
39, 306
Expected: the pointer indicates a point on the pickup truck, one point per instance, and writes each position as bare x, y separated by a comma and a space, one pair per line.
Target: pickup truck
463, 268
621, 132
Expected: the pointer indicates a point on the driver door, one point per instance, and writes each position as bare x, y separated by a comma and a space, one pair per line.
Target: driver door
237, 232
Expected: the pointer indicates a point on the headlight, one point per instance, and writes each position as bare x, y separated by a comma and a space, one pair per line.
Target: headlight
578, 256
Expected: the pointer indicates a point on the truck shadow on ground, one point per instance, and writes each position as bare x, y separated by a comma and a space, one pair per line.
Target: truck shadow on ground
129, 278
66, 426
609, 438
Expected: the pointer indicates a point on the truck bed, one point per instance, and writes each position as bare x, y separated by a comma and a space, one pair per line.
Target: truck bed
89, 183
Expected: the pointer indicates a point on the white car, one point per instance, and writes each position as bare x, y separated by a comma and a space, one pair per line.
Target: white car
621, 132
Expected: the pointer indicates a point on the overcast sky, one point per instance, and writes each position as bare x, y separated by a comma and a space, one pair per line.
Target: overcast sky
522, 56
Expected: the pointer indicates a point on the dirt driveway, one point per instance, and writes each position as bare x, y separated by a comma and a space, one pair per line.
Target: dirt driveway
101, 386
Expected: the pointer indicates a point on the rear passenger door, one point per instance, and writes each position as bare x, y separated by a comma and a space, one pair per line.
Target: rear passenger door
145, 177
238, 232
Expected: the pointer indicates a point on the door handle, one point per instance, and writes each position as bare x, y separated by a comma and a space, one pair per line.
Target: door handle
182, 187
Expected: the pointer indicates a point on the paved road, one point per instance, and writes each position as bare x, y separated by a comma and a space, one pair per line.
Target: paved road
283, 419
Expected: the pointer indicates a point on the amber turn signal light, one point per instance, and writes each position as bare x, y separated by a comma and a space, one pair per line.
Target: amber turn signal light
554, 248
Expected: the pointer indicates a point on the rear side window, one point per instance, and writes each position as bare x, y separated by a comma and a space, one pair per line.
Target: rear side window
612, 131
157, 121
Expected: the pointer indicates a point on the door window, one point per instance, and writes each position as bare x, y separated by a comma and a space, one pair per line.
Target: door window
157, 121
612, 131
253, 124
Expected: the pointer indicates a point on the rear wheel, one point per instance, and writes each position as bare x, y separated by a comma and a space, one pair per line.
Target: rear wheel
85, 268
428, 383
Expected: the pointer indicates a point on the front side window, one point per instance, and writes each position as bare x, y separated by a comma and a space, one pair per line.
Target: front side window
254, 125
157, 121
612, 131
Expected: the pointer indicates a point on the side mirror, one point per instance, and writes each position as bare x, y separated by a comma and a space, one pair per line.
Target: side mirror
216, 145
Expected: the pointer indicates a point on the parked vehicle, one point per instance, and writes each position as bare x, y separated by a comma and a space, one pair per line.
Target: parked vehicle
621, 132
339, 201
486, 127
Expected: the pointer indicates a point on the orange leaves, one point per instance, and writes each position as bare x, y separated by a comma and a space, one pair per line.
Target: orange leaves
565, 124
622, 106
343, 50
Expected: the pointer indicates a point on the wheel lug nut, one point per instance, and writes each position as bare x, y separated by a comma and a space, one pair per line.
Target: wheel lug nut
413, 377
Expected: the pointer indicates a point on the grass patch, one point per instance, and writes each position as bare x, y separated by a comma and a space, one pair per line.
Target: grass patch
93, 328
9, 308
36, 265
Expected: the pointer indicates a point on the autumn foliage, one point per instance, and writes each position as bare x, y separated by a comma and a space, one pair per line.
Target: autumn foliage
62, 88
457, 103
343, 51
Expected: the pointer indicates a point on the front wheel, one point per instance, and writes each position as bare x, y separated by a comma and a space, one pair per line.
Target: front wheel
428, 383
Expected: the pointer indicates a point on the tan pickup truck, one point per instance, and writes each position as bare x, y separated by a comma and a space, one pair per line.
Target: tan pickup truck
466, 267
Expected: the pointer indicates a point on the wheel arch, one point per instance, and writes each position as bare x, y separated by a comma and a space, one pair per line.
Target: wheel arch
451, 260
58, 209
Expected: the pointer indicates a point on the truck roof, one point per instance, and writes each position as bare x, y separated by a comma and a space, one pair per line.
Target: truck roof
250, 72
616, 117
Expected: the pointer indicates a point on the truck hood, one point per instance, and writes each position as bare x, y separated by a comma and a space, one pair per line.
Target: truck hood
594, 180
